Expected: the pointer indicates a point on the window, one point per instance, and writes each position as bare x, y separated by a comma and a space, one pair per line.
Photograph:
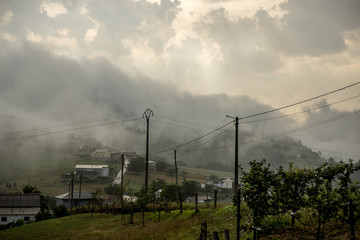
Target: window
26, 218
4, 219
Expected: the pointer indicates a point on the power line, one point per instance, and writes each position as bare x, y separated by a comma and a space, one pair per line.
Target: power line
297, 103
194, 140
305, 111
298, 129
311, 125
212, 139
67, 130
57, 126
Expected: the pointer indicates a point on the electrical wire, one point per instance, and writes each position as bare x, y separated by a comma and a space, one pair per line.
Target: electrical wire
204, 143
305, 111
67, 130
194, 140
300, 102
311, 125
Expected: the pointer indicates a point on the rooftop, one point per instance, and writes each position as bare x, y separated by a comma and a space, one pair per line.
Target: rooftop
19, 200
84, 195
91, 166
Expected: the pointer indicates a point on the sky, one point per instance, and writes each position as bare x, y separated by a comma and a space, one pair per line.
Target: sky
191, 62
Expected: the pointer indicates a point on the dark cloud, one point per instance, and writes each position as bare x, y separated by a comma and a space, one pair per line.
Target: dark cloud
243, 46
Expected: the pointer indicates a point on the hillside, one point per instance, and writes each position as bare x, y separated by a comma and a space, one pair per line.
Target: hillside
186, 226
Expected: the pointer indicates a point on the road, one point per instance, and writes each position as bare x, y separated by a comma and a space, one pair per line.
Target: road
118, 177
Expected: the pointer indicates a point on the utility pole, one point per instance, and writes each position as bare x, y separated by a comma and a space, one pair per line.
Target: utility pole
68, 195
147, 114
122, 180
72, 191
176, 176
80, 190
236, 172
236, 177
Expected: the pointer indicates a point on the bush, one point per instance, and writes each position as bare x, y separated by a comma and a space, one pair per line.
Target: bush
60, 211
137, 165
19, 222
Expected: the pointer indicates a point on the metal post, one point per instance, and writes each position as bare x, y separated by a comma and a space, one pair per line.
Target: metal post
148, 112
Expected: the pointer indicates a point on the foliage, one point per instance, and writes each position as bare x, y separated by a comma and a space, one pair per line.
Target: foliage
257, 189
137, 164
113, 189
60, 211
189, 188
161, 166
96, 198
44, 204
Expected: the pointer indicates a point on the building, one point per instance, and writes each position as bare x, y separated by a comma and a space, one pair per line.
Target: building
92, 171
19, 206
101, 155
152, 165
201, 199
63, 199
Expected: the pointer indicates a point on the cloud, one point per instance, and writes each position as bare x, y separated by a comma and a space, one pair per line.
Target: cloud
244, 47
44, 90
52, 9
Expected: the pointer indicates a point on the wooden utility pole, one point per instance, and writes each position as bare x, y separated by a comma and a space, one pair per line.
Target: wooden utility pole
122, 181
147, 114
236, 170
236, 177
80, 190
176, 176
72, 191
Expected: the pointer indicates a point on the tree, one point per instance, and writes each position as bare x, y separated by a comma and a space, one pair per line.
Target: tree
161, 166
189, 188
137, 165
258, 183
96, 200
44, 205
289, 192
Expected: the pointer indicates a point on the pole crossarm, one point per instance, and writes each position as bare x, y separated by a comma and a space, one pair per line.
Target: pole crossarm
148, 113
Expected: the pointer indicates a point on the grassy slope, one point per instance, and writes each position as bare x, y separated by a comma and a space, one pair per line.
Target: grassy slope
108, 226
173, 225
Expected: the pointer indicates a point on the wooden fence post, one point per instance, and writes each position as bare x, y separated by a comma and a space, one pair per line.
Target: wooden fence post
215, 198
196, 203
227, 235
203, 234
215, 236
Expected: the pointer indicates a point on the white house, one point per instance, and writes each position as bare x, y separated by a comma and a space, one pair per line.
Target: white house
92, 171
101, 155
19, 206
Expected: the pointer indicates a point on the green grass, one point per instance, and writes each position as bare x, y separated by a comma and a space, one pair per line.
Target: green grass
185, 226
107, 226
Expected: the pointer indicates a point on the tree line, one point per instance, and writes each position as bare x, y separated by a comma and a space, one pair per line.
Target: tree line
323, 198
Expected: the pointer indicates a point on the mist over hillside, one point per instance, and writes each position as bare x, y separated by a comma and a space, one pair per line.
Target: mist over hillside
93, 99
